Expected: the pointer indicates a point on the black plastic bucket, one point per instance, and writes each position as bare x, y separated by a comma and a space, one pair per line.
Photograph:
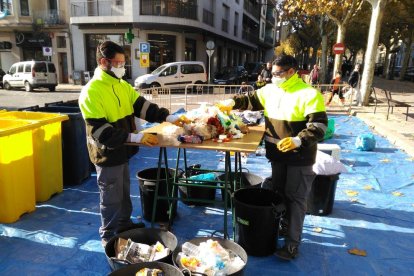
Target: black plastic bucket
322, 195
147, 180
132, 270
257, 216
247, 180
196, 192
226, 244
144, 235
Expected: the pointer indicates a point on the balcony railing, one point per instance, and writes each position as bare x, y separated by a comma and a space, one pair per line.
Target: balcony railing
173, 8
208, 17
97, 8
268, 40
250, 36
48, 17
252, 7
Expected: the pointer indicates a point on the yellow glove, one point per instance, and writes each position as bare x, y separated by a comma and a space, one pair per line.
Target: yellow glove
288, 144
149, 139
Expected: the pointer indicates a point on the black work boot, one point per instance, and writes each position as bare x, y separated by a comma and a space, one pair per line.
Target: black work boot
287, 252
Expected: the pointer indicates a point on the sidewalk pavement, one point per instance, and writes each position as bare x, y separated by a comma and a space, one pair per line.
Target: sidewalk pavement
396, 129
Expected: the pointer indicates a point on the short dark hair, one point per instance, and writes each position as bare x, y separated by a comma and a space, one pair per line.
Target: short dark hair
108, 49
286, 62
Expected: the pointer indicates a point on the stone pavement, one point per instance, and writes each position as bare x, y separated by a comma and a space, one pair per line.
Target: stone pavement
395, 129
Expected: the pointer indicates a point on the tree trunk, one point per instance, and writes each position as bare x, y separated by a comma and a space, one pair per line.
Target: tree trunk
339, 39
378, 7
407, 54
324, 59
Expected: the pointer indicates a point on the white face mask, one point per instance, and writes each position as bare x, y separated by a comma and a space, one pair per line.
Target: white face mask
119, 72
278, 80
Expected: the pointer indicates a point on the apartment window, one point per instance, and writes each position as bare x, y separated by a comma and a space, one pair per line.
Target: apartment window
224, 21
61, 41
236, 24
24, 8
6, 5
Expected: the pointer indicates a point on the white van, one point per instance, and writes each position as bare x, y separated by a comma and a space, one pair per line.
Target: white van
31, 74
174, 75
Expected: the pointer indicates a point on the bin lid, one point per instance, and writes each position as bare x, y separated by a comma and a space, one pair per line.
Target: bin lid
9, 127
40, 117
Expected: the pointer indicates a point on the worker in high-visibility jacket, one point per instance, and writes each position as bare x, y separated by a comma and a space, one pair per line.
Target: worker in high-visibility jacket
109, 106
295, 120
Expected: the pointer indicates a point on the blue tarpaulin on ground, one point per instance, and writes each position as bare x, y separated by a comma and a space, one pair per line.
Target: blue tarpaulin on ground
373, 211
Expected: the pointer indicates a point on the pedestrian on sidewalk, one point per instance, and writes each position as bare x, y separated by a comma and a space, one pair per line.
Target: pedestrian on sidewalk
354, 82
267, 73
336, 89
314, 75
108, 105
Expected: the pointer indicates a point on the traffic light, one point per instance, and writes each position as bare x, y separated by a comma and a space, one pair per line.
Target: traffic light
5, 45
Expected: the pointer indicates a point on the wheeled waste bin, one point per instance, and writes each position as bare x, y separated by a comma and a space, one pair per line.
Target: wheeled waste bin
17, 175
47, 150
75, 157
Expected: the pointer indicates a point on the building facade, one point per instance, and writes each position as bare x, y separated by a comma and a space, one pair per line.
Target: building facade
36, 30
67, 32
176, 30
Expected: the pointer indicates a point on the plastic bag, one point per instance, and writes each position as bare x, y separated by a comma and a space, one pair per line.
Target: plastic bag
327, 165
330, 130
365, 142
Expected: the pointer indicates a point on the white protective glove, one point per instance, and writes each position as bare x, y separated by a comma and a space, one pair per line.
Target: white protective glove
172, 119
135, 138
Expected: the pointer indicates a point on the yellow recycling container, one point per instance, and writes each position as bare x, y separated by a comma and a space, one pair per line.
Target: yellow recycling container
47, 150
17, 183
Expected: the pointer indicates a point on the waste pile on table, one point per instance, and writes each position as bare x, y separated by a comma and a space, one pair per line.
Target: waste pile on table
216, 122
132, 252
209, 258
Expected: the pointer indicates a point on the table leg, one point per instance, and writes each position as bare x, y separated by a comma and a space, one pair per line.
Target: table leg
154, 204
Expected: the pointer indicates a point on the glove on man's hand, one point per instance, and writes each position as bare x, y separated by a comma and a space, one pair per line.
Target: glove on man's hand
288, 144
143, 138
149, 139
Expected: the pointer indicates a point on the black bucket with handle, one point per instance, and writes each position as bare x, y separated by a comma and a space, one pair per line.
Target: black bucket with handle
257, 217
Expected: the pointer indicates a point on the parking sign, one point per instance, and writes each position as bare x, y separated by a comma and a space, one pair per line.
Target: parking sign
144, 47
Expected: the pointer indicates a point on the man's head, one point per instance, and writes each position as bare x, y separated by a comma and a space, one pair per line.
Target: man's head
338, 74
259, 78
315, 67
284, 67
111, 58
357, 66
268, 65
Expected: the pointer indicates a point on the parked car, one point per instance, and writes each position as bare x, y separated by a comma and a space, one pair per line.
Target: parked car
174, 75
30, 75
231, 75
254, 69
2, 73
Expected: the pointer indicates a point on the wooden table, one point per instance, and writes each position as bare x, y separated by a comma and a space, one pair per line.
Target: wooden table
247, 144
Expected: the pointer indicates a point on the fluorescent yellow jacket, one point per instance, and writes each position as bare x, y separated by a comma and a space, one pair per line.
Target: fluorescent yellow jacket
108, 106
293, 109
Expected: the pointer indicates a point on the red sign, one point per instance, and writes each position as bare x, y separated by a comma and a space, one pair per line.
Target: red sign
338, 48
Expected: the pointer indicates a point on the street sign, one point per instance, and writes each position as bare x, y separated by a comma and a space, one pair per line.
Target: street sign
210, 52
144, 60
144, 47
210, 45
338, 48
47, 51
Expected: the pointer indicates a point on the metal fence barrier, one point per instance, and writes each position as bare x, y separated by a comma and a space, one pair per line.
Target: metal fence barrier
198, 94
158, 95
